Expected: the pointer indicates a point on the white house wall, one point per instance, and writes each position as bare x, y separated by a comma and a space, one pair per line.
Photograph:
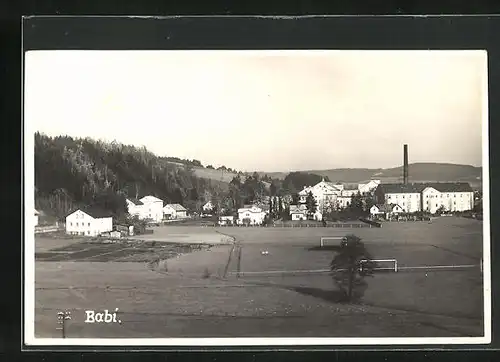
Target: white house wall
451, 201
409, 202
154, 211
79, 223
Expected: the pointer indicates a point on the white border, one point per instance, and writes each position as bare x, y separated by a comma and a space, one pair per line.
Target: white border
29, 271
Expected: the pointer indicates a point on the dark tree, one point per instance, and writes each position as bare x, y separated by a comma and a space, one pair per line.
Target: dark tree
349, 268
311, 203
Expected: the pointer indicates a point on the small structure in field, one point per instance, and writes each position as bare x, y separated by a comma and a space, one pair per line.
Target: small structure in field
115, 234
37, 214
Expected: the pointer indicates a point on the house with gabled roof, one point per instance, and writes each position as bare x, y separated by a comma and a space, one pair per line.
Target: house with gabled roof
251, 215
153, 208
298, 212
174, 211
148, 207
89, 221
386, 210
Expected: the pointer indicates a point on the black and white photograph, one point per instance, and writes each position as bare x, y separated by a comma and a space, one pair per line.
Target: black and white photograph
256, 197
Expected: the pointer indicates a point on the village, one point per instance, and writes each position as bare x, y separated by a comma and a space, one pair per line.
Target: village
404, 201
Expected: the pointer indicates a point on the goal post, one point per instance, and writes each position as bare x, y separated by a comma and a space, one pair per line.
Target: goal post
324, 239
383, 264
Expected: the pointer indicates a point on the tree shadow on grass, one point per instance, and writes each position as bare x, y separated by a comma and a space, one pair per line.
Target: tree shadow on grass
338, 297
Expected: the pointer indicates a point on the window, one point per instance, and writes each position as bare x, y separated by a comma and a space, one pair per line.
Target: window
89, 224
70, 224
76, 224
454, 195
88, 232
447, 195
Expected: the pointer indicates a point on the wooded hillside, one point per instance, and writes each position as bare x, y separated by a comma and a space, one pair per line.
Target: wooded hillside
74, 172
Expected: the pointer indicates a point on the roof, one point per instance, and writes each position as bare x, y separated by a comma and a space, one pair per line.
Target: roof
386, 207
450, 186
94, 211
150, 198
176, 207
411, 188
243, 209
297, 209
136, 201
414, 188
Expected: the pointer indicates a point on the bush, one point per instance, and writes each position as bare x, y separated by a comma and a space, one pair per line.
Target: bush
206, 274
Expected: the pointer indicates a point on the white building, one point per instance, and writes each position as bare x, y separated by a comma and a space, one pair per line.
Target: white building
298, 212
251, 215
208, 207
37, 214
153, 207
427, 196
385, 210
89, 222
447, 197
226, 220
136, 207
368, 187
174, 211
324, 193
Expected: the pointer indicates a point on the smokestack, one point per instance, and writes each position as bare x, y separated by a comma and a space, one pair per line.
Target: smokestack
405, 164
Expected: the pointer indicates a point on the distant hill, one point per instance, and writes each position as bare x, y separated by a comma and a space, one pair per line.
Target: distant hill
418, 172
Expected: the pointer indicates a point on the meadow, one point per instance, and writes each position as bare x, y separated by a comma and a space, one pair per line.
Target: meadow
210, 291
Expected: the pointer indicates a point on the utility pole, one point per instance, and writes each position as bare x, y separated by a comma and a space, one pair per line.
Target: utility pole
62, 317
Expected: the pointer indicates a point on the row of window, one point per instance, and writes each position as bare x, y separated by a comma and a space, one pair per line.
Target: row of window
79, 233
427, 196
77, 224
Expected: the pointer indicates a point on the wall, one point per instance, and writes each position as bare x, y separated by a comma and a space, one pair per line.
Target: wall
80, 223
408, 202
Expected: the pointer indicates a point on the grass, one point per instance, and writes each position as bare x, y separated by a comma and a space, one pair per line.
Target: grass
183, 302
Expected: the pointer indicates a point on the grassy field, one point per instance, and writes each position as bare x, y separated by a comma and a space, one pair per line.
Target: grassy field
210, 291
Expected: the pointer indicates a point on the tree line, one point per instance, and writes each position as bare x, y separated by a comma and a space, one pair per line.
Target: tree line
75, 172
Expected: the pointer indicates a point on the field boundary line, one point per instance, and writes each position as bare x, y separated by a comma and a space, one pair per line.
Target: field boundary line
321, 271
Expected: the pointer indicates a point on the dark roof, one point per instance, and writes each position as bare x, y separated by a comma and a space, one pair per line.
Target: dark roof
176, 207
94, 211
450, 186
136, 201
412, 188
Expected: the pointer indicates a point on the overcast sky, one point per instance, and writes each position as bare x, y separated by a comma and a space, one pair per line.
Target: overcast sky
269, 111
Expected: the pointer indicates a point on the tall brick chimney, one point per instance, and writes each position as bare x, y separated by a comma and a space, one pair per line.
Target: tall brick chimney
405, 164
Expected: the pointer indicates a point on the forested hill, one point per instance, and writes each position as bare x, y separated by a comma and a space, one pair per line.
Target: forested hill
74, 172
71, 173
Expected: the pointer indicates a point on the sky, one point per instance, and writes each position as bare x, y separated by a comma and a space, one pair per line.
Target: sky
266, 110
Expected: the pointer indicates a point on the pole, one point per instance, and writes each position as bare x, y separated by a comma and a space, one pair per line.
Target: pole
62, 317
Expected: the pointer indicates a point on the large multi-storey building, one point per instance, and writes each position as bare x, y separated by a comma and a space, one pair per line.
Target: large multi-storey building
430, 197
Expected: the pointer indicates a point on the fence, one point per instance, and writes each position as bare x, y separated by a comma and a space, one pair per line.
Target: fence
336, 225
47, 229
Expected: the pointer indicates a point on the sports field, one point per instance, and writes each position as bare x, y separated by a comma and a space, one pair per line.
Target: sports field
232, 289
